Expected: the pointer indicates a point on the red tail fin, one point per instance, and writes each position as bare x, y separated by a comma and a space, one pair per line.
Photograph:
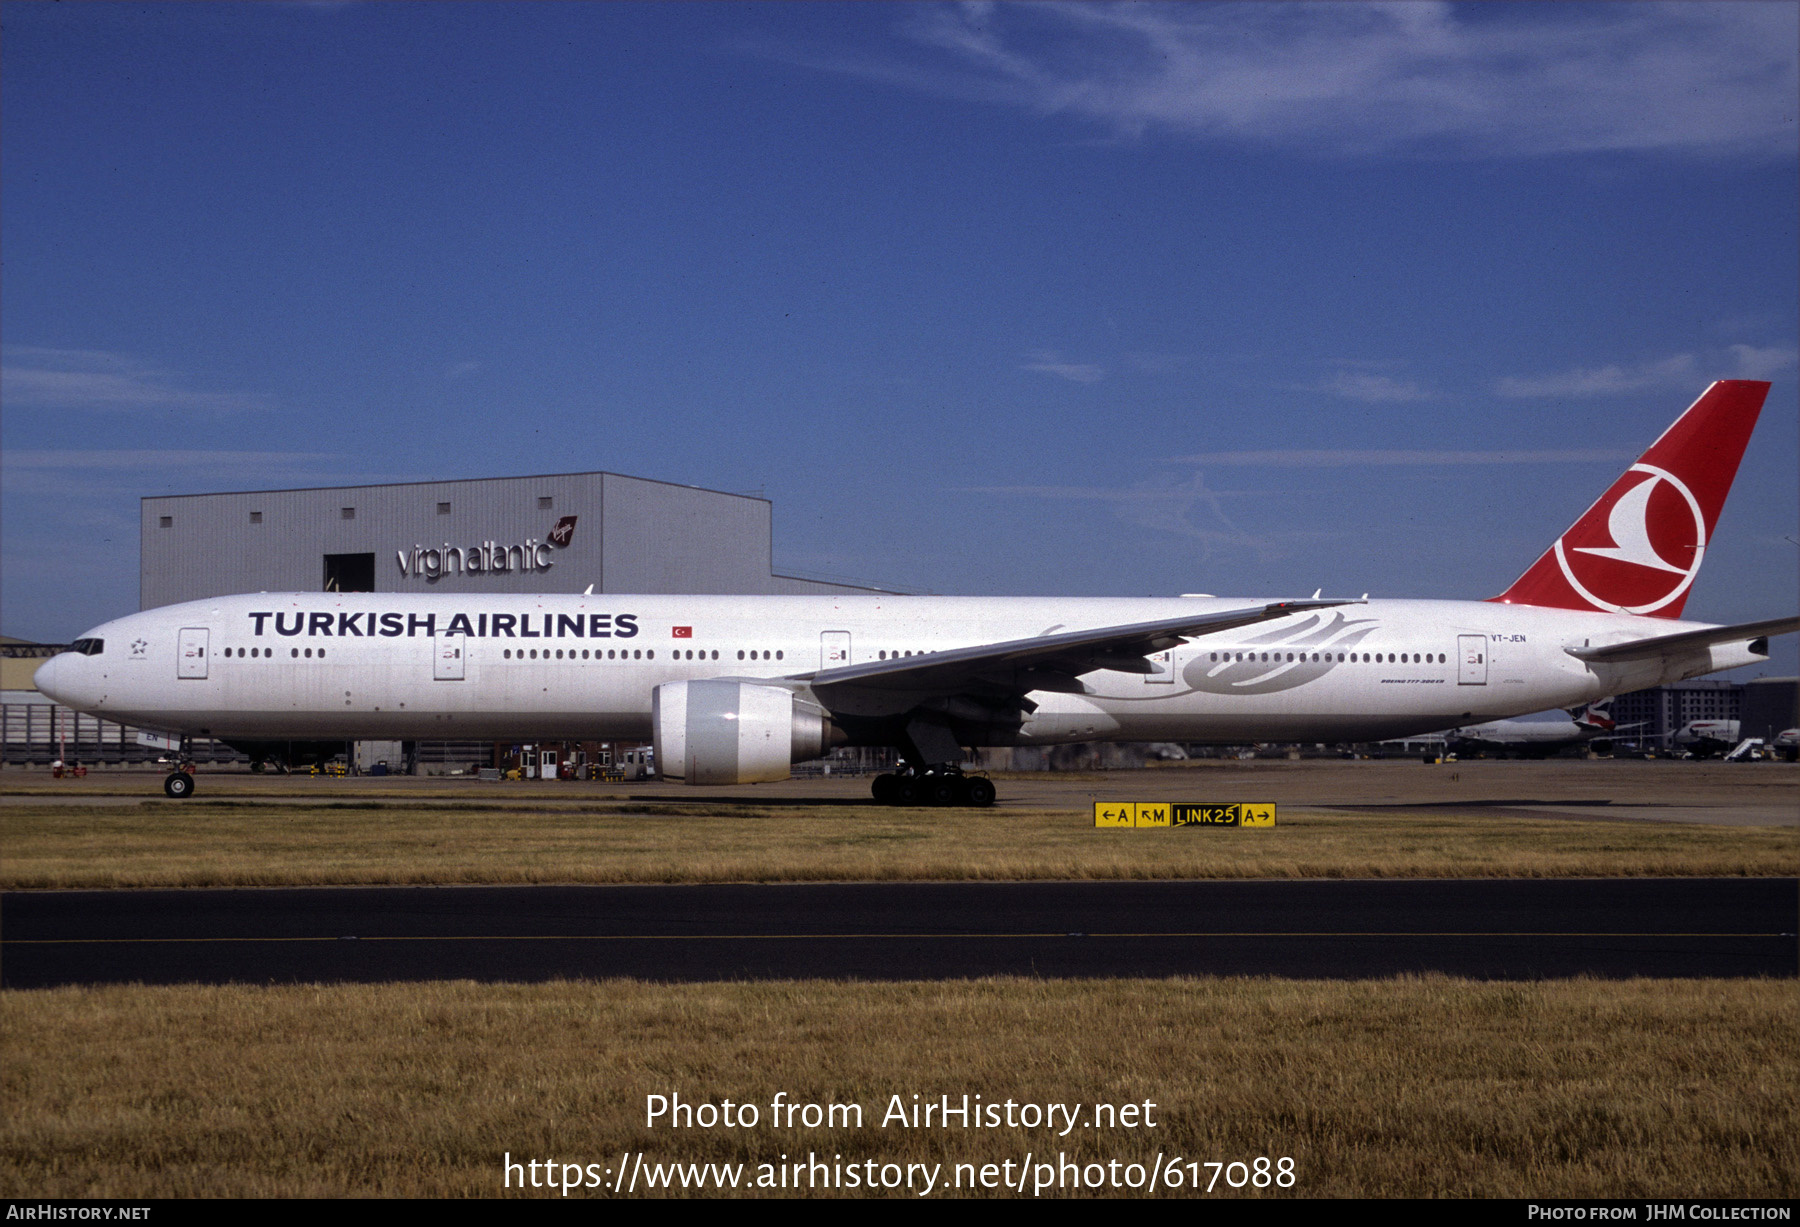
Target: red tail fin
1638, 549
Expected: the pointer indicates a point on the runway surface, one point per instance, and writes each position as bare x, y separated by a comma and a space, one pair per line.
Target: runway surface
1663, 791
1487, 929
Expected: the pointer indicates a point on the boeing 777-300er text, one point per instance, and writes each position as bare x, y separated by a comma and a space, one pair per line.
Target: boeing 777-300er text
735, 689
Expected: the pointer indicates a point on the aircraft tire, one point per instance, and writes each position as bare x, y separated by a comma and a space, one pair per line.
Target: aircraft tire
905, 791
179, 785
978, 792
939, 790
883, 789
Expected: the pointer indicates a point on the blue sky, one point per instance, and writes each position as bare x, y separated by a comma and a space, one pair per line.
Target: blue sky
987, 299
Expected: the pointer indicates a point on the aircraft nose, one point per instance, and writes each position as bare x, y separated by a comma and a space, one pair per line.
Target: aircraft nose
45, 678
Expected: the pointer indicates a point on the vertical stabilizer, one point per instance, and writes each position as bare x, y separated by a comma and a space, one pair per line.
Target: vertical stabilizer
1638, 549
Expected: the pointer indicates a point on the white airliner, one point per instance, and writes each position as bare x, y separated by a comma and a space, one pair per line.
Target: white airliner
733, 690
1536, 738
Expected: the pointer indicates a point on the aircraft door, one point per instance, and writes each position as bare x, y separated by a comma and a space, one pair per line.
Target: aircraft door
1164, 665
190, 660
447, 657
834, 649
1471, 660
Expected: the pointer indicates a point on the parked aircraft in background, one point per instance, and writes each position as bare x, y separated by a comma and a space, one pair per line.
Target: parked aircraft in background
734, 689
1535, 738
1705, 738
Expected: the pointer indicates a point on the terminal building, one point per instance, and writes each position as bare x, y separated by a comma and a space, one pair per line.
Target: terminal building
1657, 714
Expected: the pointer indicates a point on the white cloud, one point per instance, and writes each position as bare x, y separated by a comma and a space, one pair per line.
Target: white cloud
1374, 389
1601, 380
1157, 364
1050, 363
1754, 363
105, 473
1355, 79
1350, 459
132, 459
33, 377
1159, 507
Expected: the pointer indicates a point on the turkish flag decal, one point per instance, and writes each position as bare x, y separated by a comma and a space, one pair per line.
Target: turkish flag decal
682, 632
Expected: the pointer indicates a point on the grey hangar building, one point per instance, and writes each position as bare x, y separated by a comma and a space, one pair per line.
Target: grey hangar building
561, 532
553, 533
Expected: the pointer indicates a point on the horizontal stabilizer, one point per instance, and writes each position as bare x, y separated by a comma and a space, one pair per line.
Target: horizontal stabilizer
1686, 641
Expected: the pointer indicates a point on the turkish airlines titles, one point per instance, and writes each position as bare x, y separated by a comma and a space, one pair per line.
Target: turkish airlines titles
482, 626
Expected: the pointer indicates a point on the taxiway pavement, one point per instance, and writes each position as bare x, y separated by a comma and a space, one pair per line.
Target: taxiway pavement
1486, 929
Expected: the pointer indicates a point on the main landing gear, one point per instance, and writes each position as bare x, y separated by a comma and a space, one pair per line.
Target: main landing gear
933, 787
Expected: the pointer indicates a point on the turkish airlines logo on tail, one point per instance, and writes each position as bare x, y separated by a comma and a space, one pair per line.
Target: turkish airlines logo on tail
563, 533
1639, 547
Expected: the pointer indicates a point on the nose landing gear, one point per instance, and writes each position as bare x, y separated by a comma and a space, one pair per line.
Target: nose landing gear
179, 783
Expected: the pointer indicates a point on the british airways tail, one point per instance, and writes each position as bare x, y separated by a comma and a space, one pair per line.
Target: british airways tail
1639, 547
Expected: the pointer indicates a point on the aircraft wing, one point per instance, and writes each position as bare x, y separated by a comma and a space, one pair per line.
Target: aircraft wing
1685, 641
1045, 662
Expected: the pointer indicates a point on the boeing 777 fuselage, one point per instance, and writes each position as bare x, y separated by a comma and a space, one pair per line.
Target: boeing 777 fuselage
736, 689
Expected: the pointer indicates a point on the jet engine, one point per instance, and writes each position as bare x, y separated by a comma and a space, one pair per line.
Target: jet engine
718, 732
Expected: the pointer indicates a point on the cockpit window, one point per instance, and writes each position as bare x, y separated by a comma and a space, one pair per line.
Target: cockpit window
88, 647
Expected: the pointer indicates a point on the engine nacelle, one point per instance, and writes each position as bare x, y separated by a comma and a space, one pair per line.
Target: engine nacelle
733, 732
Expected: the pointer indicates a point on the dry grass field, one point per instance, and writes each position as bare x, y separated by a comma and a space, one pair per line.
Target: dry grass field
1411, 1087
242, 843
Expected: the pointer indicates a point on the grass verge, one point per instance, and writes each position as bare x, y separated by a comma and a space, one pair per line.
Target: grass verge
223, 843
1409, 1087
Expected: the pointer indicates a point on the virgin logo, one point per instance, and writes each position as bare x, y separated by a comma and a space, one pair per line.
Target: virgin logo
1639, 547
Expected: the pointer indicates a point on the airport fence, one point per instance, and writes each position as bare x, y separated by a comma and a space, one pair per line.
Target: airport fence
38, 733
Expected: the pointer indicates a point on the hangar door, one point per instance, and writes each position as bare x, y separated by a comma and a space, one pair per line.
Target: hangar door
190, 657
1471, 660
